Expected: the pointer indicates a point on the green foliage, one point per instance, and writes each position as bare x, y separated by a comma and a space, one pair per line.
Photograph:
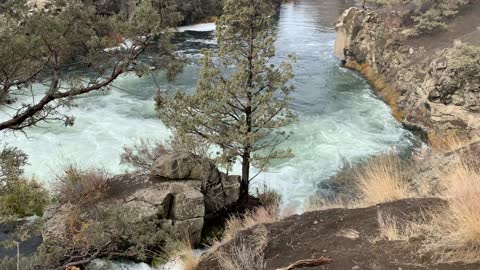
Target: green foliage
434, 18
465, 60
198, 10
242, 100
19, 196
48, 47
382, 2
81, 187
12, 162
24, 198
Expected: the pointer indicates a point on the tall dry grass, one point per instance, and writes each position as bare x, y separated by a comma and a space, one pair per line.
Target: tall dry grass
261, 215
454, 234
245, 255
448, 142
180, 251
380, 180
392, 229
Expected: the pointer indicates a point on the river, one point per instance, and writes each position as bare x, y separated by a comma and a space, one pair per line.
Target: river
340, 118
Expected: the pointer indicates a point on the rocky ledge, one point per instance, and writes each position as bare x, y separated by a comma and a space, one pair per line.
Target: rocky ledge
424, 77
181, 191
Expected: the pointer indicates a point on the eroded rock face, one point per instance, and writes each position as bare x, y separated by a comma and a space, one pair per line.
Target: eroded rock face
219, 189
420, 73
180, 191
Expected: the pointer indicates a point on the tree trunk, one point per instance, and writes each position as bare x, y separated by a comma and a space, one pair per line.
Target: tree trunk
244, 185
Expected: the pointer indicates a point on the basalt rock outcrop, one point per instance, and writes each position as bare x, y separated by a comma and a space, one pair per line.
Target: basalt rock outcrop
180, 192
421, 76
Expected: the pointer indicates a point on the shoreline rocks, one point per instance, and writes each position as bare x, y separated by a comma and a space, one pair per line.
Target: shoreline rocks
180, 192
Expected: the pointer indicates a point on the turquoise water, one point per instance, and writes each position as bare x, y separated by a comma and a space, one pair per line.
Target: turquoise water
339, 116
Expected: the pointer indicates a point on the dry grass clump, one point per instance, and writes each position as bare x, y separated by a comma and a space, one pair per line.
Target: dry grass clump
380, 180
454, 234
236, 224
252, 218
81, 187
349, 233
319, 203
241, 257
181, 251
245, 253
392, 229
449, 142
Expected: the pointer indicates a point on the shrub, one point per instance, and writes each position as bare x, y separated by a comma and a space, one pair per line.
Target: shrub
465, 60
19, 196
81, 187
113, 232
24, 198
434, 18
12, 163
269, 198
143, 154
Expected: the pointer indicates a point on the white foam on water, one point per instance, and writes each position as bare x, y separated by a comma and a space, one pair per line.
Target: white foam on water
201, 27
104, 123
339, 117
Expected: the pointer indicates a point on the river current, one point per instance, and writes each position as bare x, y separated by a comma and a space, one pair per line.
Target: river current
340, 118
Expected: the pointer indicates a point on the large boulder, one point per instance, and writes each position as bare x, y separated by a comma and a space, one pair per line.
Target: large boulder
220, 190
180, 191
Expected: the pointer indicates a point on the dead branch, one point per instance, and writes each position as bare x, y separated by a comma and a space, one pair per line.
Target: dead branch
309, 263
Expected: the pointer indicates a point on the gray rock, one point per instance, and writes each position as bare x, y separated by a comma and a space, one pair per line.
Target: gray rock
181, 189
377, 43
219, 189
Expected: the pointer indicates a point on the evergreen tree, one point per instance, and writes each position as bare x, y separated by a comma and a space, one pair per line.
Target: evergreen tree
66, 46
242, 100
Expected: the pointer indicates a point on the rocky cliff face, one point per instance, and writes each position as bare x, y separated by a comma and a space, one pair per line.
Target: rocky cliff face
429, 80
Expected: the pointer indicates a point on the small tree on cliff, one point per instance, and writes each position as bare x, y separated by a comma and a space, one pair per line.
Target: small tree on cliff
242, 100
64, 47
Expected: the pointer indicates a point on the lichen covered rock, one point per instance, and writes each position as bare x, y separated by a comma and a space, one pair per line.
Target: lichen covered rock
431, 81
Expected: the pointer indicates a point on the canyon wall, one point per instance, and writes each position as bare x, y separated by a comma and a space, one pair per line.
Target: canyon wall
429, 79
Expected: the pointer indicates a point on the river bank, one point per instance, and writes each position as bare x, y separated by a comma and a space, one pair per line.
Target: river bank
429, 77
390, 212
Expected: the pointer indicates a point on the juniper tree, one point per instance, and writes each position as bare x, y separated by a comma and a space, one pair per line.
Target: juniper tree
64, 46
242, 100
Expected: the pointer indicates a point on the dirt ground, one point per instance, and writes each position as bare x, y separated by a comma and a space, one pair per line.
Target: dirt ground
317, 234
